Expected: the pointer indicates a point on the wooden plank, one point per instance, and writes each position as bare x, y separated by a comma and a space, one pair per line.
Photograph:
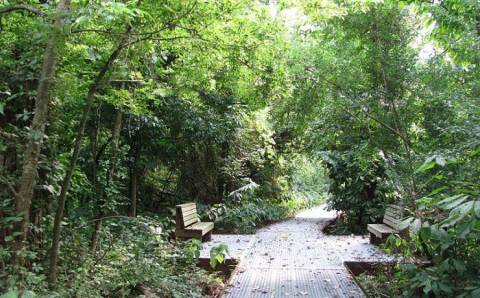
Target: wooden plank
182, 233
396, 207
189, 212
201, 226
390, 218
377, 229
190, 221
393, 215
178, 221
204, 227
380, 230
186, 204
190, 217
188, 208
393, 211
393, 224
183, 221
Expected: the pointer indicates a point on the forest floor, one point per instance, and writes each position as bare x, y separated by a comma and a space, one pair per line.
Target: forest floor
294, 258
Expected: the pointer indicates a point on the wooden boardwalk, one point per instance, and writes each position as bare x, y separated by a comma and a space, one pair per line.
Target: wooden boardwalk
294, 258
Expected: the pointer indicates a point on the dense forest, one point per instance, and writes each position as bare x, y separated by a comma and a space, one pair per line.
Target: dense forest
113, 112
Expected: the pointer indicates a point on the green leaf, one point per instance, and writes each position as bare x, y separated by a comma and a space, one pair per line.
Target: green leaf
13, 219
452, 202
425, 167
464, 209
459, 266
440, 160
477, 208
213, 262
437, 190
425, 233
416, 225
11, 294
220, 258
405, 223
464, 230
29, 294
81, 20
476, 293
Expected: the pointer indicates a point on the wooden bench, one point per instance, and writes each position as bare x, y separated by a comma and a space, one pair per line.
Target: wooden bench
391, 221
188, 224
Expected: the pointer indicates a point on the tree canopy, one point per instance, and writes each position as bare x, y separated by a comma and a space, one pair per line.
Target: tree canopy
112, 112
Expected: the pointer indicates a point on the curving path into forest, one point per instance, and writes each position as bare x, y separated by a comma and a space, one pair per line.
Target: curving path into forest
293, 258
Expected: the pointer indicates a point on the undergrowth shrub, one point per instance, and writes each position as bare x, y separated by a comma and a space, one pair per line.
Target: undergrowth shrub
132, 258
357, 188
445, 230
248, 217
301, 186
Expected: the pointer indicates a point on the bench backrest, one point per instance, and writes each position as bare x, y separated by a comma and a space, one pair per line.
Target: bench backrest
186, 215
393, 216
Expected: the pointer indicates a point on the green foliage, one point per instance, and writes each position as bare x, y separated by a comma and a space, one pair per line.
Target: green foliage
192, 248
228, 103
132, 255
449, 235
357, 188
386, 280
218, 255
253, 213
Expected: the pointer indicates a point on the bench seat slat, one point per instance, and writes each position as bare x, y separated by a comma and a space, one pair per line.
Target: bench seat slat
380, 229
201, 226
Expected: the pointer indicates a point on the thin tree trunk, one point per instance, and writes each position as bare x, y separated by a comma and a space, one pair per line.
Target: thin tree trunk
133, 193
117, 127
23, 200
94, 87
134, 179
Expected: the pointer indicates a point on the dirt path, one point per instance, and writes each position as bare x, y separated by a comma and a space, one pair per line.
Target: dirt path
294, 258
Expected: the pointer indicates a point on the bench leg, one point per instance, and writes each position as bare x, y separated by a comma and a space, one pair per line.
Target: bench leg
207, 237
377, 240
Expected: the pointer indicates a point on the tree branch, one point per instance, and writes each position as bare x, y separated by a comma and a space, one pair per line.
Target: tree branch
22, 7
9, 185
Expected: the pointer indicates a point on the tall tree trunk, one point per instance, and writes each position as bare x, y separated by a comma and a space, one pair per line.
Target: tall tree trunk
221, 176
23, 199
134, 177
117, 127
94, 87
133, 192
